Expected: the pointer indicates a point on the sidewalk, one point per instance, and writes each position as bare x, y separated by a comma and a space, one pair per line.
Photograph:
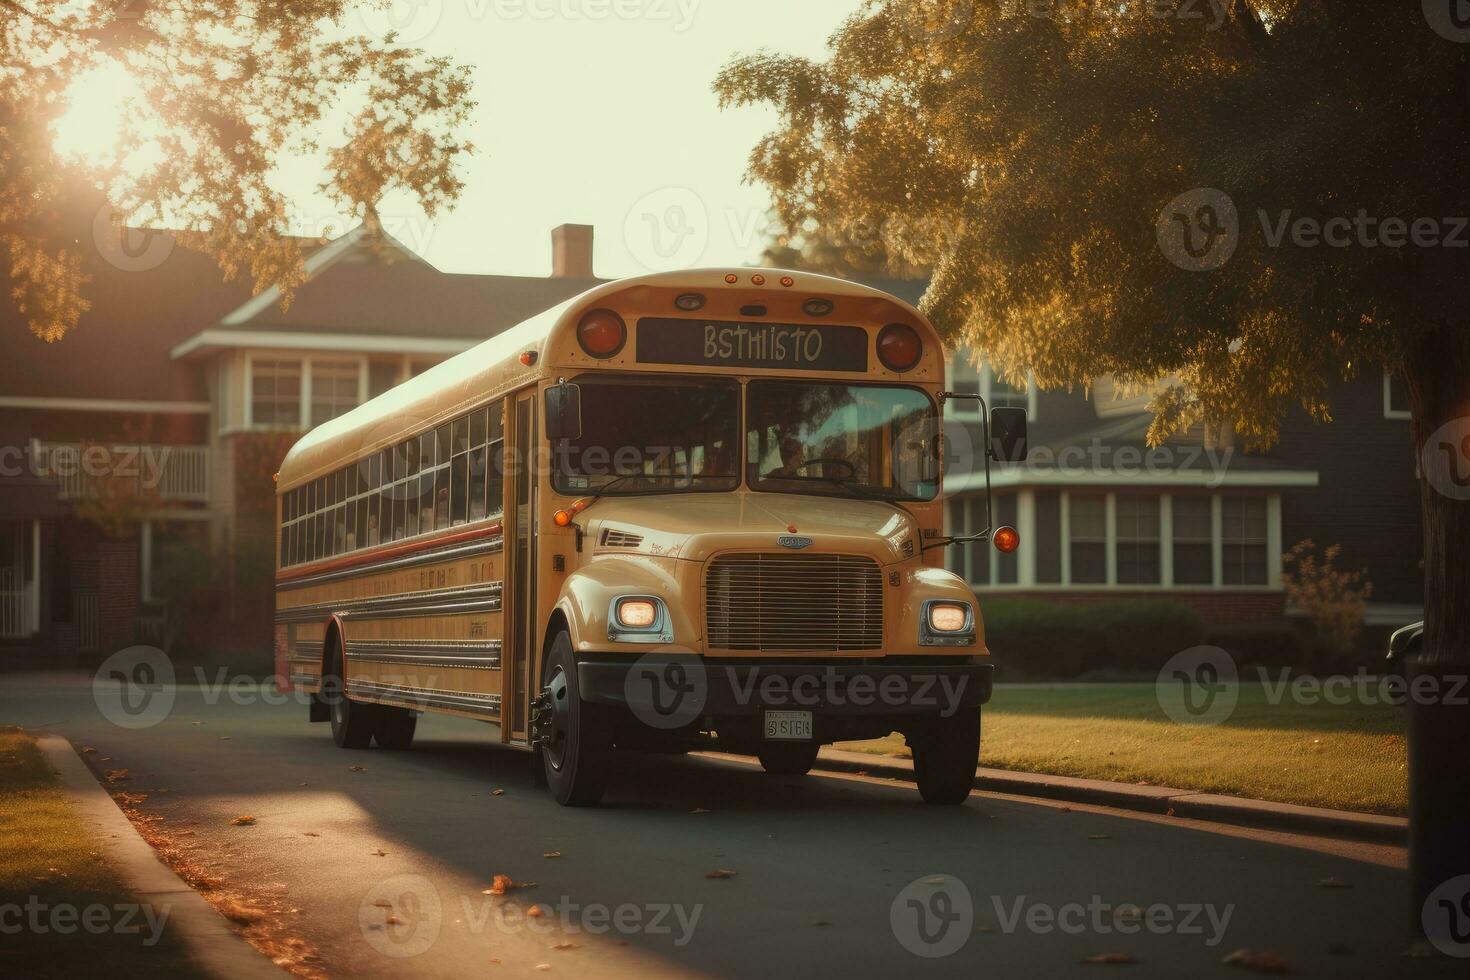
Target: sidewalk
1148, 799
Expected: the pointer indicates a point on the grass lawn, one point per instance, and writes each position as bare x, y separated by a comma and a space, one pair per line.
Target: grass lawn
1347, 757
53, 873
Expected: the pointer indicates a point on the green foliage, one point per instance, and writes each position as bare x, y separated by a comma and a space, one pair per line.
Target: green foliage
228, 91
1029, 159
1269, 645
1034, 638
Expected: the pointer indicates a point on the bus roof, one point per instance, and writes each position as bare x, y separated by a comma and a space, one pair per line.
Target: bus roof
493, 367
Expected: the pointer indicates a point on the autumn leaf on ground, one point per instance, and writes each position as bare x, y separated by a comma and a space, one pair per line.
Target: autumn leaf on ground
1259, 960
1099, 836
535, 911
87, 750
380, 853
552, 854
565, 946
699, 809
722, 873
497, 792
543, 966
357, 768
504, 883
1110, 958
243, 822
383, 903
224, 738
1333, 883
117, 775
311, 833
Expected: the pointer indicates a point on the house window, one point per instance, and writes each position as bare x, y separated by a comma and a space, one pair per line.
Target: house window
966, 378
1395, 398
1194, 541
1088, 517
1243, 540
275, 393
970, 560
334, 389
1137, 546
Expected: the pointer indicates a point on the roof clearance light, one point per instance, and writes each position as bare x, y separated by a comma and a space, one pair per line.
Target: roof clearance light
818, 307
1007, 540
758, 280
899, 347
602, 333
787, 281
732, 278
528, 358
689, 302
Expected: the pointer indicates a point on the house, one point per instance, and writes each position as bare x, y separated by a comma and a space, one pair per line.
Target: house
174, 399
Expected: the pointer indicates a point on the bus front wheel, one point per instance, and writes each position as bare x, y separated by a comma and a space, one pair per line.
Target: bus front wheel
946, 754
788, 758
353, 722
576, 746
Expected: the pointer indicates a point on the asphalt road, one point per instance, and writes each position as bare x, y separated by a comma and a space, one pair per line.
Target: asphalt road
835, 876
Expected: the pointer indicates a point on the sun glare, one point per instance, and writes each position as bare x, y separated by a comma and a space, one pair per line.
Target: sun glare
90, 128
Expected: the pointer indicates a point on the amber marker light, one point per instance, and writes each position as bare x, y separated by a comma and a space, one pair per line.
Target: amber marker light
732, 278
528, 358
787, 281
758, 280
564, 517
1007, 540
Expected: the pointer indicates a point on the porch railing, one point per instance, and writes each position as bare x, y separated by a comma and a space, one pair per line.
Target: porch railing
15, 605
175, 474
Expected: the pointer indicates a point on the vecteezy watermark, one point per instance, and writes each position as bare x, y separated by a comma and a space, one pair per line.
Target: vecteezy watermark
134, 688
1097, 457
1211, 14
404, 916
1099, 917
41, 918
667, 229
1449, 18
413, 21
666, 691
129, 249
1445, 459
1446, 917
933, 916
1200, 230
73, 462
1198, 686
401, 916
1201, 686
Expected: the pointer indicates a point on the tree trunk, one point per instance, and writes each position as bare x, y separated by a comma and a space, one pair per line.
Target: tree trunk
1437, 376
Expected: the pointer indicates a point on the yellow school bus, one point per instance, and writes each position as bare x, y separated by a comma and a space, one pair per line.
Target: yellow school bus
695, 509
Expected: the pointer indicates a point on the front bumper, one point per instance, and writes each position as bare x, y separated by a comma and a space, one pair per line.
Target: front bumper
690, 687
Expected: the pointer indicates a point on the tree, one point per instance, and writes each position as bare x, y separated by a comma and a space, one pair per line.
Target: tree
852, 252
1250, 196
226, 91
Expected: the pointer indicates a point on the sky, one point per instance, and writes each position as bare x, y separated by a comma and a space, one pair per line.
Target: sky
599, 112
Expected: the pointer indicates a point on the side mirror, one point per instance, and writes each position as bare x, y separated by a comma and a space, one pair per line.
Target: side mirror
1008, 435
563, 412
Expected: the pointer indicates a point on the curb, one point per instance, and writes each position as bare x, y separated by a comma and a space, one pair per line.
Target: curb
204, 932
1148, 799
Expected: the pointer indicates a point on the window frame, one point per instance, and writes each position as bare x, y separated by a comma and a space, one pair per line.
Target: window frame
303, 406
984, 377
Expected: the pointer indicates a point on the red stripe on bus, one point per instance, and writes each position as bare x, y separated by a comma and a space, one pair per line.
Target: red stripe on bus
386, 551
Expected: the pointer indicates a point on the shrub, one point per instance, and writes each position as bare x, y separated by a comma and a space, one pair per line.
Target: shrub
1031, 638
1259, 644
1334, 600
1142, 634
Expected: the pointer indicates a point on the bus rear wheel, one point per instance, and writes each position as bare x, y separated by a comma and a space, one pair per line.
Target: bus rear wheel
946, 754
788, 758
576, 749
353, 722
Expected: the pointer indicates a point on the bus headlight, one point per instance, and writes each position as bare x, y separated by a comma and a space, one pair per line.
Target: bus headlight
947, 624
639, 619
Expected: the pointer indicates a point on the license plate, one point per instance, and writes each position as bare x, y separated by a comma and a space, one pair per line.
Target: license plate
788, 726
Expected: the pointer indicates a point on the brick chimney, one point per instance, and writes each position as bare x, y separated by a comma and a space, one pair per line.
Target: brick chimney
571, 252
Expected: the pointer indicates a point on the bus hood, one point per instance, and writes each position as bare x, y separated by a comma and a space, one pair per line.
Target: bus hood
695, 526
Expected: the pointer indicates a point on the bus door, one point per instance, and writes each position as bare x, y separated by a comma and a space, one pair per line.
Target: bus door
520, 584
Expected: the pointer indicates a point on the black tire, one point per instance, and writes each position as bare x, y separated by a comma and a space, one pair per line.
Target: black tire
788, 758
353, 722
946, 754
577, 758
395, 728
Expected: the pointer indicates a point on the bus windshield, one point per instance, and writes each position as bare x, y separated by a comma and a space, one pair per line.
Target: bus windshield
643, 435
841, 440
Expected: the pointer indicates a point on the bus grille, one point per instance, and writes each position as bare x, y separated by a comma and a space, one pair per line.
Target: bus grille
808, 603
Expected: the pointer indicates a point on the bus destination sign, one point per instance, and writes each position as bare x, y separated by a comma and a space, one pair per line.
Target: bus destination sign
720, 343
